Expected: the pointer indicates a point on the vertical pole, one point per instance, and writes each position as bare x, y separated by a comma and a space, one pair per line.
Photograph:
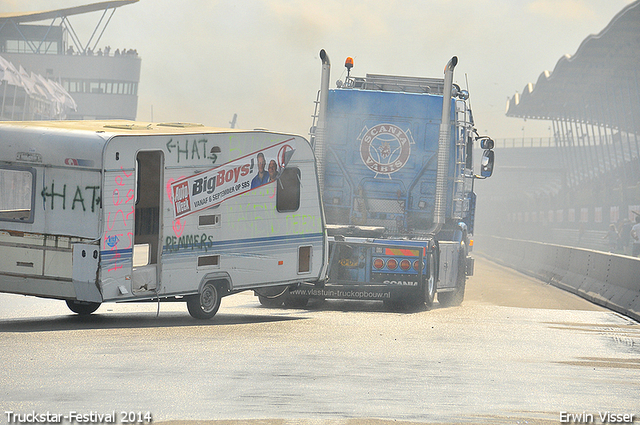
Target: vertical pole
603, 139
4, 96
15, 93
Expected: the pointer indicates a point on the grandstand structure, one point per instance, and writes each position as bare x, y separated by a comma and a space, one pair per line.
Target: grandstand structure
588, 176
90, 81
28, 96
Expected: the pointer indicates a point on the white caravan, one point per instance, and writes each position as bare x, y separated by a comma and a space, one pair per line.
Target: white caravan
95, 211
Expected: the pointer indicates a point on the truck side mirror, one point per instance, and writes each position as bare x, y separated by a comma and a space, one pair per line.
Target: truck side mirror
486, 143
486, 165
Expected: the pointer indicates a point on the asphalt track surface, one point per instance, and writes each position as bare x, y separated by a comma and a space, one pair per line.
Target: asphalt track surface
517, 351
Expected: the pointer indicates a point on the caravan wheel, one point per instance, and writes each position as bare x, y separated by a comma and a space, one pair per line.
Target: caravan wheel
83, 308
205, 305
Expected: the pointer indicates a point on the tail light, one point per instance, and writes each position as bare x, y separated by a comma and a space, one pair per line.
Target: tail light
378, 263
416, 265
392, 264
405, 265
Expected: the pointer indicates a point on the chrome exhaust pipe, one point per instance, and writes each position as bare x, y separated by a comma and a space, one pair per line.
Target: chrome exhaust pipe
443, 149
319, 145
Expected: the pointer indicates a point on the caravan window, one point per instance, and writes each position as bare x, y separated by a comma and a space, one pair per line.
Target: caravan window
288, 191
17, 194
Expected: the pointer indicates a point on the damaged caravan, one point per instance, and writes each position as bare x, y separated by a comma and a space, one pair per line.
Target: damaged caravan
120, 211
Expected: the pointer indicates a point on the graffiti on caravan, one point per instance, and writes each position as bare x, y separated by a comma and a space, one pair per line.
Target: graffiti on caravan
234, 178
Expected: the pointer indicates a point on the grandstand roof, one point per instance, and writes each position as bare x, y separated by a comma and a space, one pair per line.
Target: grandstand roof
599, 84
21, 17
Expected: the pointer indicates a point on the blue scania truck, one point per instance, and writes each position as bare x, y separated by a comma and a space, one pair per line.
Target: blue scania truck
395, 160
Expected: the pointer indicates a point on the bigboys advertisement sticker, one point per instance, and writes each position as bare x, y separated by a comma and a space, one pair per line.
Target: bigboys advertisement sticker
212, 187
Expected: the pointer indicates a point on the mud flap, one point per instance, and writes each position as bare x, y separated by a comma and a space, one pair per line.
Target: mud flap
469, 266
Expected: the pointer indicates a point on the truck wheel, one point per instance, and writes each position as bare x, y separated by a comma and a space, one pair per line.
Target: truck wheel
270, 302
83, 308
431, 285
455, 298
272, 296
206, 304
295, 302
398, 305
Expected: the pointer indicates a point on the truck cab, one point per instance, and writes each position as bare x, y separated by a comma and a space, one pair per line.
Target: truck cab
395, 154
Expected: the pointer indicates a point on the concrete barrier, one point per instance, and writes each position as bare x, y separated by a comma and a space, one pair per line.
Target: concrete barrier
610, 280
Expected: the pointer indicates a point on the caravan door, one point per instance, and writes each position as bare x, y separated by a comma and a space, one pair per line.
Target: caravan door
147, 241
130, 253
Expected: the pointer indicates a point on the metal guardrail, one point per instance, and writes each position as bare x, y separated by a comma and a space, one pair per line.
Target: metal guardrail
607, 279
529, 142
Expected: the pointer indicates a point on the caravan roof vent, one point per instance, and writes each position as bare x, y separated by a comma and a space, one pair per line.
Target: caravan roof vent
126, 126
179, 124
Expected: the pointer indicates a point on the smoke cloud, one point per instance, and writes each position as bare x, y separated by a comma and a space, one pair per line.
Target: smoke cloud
204, 60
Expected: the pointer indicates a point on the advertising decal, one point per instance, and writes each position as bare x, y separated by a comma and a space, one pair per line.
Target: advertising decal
212, 187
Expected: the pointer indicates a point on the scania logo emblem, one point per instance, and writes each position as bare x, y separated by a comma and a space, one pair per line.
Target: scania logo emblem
385, 148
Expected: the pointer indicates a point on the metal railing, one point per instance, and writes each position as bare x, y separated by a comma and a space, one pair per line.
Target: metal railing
529, 142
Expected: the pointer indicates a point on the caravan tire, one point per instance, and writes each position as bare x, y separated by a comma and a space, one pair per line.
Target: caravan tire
206, 304
83, 308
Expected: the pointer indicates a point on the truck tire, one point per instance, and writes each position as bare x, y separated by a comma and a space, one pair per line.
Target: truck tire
272, 296
397, 305
431, 284
83, 308
424, 299
270, 302
206, 304
455, 298
296, 302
